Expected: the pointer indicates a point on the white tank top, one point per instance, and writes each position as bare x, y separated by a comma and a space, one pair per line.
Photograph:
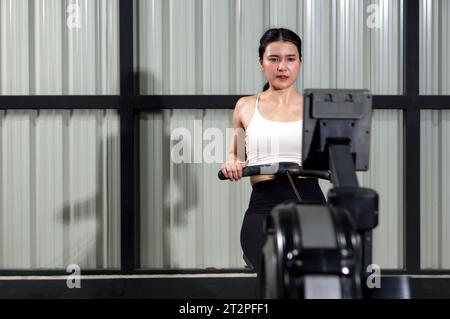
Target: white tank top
269, 141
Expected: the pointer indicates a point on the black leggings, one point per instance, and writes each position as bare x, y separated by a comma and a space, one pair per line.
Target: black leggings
265, 196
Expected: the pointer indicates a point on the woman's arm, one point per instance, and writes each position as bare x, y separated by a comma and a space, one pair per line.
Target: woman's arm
232, 168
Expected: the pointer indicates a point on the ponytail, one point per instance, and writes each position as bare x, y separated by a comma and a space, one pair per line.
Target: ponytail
266, 86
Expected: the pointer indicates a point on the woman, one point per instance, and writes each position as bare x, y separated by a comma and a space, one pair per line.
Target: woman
274, 115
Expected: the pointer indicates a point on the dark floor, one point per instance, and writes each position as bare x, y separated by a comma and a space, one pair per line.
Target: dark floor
183, 287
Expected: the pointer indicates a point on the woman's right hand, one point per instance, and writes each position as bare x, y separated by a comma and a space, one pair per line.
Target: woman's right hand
232, 169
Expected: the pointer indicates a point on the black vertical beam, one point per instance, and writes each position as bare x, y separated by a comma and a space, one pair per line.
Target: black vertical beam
412, 138
129, 235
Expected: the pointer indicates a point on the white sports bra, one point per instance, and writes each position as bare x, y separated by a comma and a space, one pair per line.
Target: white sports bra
269, 141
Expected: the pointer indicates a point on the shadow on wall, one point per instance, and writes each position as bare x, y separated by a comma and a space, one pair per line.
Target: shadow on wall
182, 198
181, 202
181, 233
168, 193
83, 240
91, 224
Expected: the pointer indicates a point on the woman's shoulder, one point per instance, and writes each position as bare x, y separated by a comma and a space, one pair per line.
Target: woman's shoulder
246, 100
246, 104
244, 109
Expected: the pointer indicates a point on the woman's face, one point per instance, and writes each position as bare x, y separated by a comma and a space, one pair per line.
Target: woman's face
281, 64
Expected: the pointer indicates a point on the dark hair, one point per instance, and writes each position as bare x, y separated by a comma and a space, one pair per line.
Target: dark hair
278, 34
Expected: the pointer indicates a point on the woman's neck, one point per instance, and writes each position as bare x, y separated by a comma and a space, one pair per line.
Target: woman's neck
284, 96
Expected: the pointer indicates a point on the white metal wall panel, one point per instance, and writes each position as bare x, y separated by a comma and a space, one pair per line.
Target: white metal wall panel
214, 59
383, 46
16, 193
252, 21
59, 47
434, 189
154, 183
49, 198
434, 135
47, 64
59, 189
211, 47
14, 47
435, 47
318, 46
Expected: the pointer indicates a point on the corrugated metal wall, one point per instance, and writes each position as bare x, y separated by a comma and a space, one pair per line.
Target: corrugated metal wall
435, 135
434, 189
211, 47
435, 48
59, 47
59, 190
193, 47
59, 170
385, 175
